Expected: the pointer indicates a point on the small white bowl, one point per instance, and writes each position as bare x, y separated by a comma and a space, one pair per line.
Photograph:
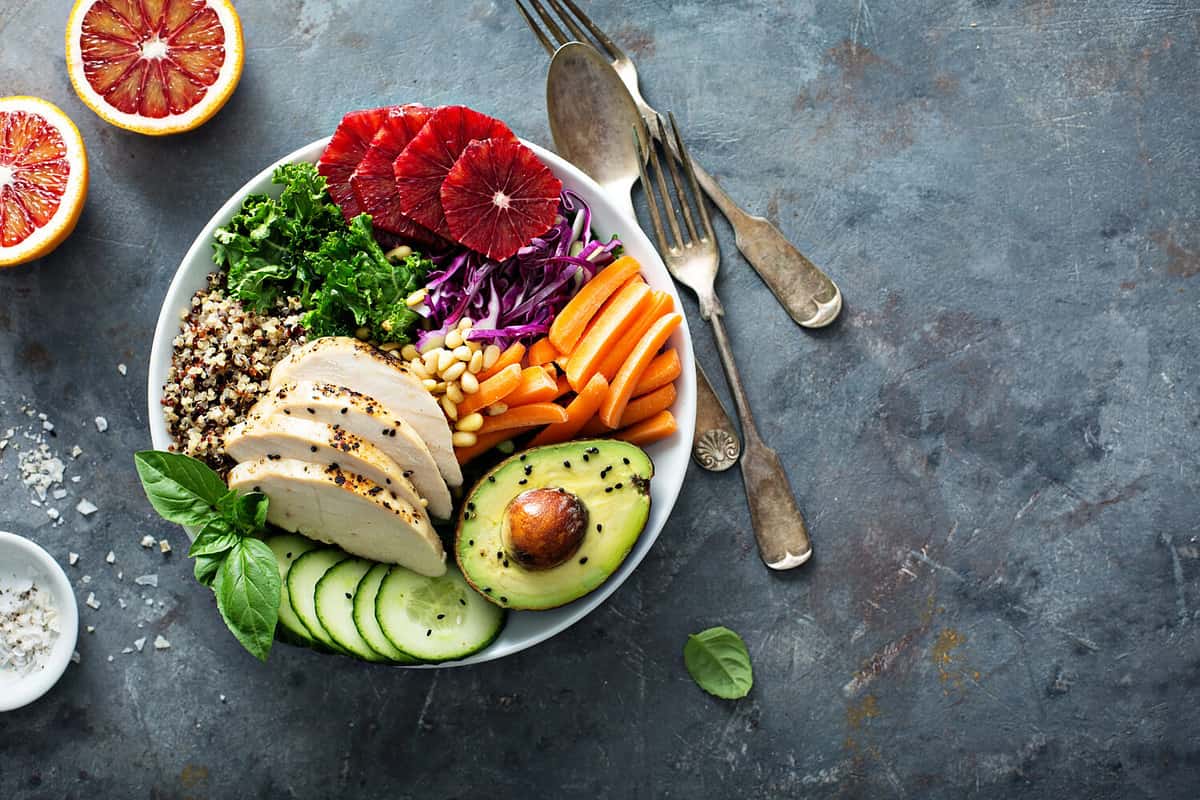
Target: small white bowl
671, 456
21, 558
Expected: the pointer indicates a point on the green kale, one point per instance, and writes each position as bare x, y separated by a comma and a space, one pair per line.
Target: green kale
300, 245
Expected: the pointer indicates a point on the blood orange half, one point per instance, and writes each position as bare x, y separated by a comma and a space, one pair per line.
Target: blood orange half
43, 178
154, 66
345, 150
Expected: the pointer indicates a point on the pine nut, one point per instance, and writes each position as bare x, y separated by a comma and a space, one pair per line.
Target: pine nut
462, 353
469, 383
416, 298
417, 367
474, 345
476, 362
433, 343
399, 253
455, 393
490, 356
363, 333
453, 339
429, 384
439, 387
496, 409
463, 439
445, 359
410, 353
388, 347
471, 422
449, 407
454, 371
465, 323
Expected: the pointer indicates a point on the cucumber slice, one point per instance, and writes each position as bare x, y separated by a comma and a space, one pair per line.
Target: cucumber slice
302, 586
364, 616
287, 549
334, 601
435, 619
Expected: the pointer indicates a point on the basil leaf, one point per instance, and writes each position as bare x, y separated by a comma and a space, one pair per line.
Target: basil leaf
181, 489
206, 566
247, 587
215, 538
719, 663
247, 511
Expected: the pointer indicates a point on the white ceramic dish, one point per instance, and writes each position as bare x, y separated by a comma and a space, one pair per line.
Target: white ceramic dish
23, 559
524, 628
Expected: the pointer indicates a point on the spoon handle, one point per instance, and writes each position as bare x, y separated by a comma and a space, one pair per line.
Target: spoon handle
779, 527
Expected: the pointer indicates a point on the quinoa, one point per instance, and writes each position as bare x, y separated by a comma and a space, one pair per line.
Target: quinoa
221, 365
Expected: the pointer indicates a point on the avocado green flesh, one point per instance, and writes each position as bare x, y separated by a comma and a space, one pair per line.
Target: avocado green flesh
622, 513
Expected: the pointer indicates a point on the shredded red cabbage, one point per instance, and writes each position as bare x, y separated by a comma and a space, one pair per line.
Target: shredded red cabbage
519, 297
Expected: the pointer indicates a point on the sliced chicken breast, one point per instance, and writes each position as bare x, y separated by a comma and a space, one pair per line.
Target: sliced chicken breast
345, 361
332, 505
365, 417
287, 436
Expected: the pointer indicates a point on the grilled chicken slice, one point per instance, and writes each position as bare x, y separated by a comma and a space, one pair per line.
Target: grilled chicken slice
367, 418
345, 361
339, 507
287, 436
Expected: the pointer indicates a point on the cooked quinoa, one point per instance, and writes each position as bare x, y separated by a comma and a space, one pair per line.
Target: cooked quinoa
221, 365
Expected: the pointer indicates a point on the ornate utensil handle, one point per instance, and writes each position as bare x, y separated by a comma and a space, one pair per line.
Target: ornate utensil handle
716, 447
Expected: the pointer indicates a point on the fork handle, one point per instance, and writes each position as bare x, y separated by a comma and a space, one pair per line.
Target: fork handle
779, 527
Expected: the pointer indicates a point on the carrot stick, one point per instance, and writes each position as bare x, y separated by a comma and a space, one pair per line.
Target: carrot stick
608, 327
485, 442
615, 357
621, 388
536, 386
524, 417
660, 426
579, 411
665, 368
644, 407
541, 352
512, 355
492, 390
568, 326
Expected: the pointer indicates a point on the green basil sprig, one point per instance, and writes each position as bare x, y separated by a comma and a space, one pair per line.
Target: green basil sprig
719, 663
240, 568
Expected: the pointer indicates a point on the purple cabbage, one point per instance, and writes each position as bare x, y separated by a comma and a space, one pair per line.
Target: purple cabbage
519, 297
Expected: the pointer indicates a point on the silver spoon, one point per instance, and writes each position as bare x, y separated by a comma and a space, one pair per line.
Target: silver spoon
591, 113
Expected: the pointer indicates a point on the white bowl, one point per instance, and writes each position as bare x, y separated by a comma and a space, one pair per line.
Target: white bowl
524, 628
23, 559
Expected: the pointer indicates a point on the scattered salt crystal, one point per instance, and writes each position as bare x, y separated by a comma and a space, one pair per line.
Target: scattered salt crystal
101, 424
121, 368
91, 601
222, 698
111, 558
86, 507
164, 545
139, 643
148, 541
52, 513
74, 479
72, 558
43, 417
91, 628
110, 658
47, 425
126, 650
76, 452
59, 494
120, 575
146, 580
160, 643
75, 657
149, 601
87, 579
121, 602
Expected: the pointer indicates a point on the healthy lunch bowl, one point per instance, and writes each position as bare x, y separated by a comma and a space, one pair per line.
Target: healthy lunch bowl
435, 393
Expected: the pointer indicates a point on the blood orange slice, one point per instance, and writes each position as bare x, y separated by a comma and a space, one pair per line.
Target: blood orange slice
154, 66
425, 161
498, 196
345, 150
374, 182
43, 178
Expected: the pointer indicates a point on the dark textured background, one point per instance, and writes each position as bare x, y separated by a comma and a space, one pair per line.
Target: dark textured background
995, 445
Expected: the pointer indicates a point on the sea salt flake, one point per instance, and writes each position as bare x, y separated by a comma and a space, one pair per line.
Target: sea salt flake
149, 601
52, 513
75, 659
74, 479
160, 643
148, 541
110, 658
121, 602
59, 494
72, 558
164, 546
146, 580
91, 601
101, 424
111, 558
87, 508
86, 578
121, 368
139, 643
76, 452
126, 650
91, 628
47, 426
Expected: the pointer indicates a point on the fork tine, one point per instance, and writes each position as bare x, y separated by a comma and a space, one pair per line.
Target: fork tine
533, 26
655, 217
677, 181
555, 31
576, 31
614, 52
691, 171
666, 195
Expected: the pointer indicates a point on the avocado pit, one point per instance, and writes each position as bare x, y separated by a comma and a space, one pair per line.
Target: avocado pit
542, 528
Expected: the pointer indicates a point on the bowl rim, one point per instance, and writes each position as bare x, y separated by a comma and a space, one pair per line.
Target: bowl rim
34, 685
183, 285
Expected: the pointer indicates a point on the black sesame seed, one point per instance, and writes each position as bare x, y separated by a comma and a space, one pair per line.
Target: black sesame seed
441, 616
388, 481
585, 456
503, 599
620, 485
567, 464
313, 448
349, 596
583, 560
287, 411
345, 410
386, 432
608, 488
258, 488
522, 482
470, 506
470, 542
506, 563
309, 410
528, 469
408, 473
429, 632
626, 460
462, 602
288, 556
594, 450
500, 555
599, 527
522, 457
486, 590
491, 478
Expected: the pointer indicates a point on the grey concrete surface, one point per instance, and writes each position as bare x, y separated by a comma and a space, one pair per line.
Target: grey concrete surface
995, 446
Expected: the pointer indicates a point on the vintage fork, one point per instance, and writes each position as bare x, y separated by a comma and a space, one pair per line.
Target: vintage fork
810, 297
693, 260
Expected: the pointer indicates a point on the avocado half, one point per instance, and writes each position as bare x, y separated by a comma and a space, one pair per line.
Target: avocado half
551, 524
